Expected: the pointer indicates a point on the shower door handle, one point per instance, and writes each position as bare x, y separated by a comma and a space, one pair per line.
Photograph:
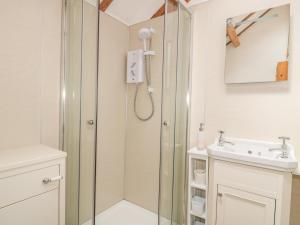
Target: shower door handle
90, 122
165, 123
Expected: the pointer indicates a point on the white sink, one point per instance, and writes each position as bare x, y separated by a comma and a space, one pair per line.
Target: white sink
255, 153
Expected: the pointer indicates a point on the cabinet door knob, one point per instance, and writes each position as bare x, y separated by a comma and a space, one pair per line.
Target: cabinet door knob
48, 180
220, 195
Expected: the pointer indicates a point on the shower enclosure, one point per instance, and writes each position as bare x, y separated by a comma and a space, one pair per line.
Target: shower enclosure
126, 139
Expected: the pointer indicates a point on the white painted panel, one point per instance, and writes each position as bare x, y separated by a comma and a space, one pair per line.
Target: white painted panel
235, 207
23, 186
40, 210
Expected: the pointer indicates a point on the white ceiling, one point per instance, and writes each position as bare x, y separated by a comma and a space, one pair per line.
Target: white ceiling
133, 11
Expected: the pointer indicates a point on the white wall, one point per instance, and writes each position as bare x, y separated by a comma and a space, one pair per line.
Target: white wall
29, 72
258, 111
261, 111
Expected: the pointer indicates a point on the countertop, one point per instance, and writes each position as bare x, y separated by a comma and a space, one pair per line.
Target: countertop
25, 156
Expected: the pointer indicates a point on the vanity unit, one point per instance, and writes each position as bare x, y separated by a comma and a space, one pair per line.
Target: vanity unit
250, 182
32, 186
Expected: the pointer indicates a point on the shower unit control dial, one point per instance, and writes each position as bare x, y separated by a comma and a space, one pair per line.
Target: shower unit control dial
135, 66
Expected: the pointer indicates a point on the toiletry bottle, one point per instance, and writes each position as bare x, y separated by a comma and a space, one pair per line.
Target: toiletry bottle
201, 137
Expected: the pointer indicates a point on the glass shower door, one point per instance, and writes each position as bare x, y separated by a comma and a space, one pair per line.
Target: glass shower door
182, 112
134, 161
174, 134
79, 108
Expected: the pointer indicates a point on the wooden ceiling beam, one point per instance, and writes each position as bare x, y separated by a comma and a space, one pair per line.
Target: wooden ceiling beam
104, 5
172, 6
159, 12
243, 20
250, 25
231, 32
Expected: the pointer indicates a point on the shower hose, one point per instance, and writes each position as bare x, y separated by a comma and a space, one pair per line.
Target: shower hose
150, 91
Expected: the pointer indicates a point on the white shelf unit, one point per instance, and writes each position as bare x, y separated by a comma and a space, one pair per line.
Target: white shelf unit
198, 159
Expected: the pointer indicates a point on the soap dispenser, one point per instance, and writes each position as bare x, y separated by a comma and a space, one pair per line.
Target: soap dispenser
201, 137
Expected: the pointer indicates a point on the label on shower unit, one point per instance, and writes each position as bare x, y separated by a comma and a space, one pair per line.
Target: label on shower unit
135, 66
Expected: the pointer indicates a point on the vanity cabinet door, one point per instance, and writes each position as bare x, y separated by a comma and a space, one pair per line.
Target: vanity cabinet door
39, 210
236, 207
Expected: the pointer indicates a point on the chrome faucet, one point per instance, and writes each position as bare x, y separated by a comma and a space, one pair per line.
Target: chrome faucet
283, 148
222, 140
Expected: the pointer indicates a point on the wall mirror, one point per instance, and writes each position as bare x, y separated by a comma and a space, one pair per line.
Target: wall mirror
257, 46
